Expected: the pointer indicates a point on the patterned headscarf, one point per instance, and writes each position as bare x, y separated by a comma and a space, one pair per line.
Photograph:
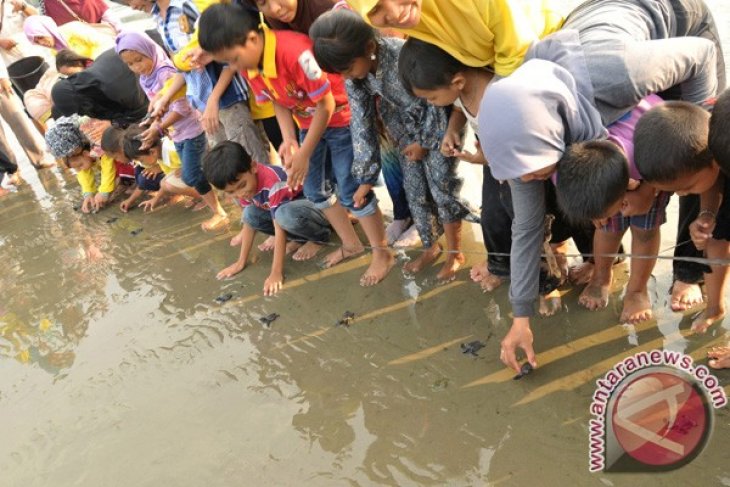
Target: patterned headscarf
65, 136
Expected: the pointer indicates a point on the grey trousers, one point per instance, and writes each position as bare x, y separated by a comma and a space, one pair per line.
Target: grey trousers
237, 125
11, 111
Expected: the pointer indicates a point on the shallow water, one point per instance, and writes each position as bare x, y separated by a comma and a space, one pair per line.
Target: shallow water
119, 368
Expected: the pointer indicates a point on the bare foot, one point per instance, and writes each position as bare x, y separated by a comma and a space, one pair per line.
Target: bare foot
685, 295
292, 246
581, 273
380, 266
719, 357
267, 245
550, 303
637, 307
236, 240
215, 223
448, 270
306, 251
200, 205
707, 318
479, 271
595, 294
426, 258
337, 256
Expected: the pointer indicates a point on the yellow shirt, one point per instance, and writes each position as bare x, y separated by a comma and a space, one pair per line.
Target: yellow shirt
482, 32
84, 40
169, 159
87, 177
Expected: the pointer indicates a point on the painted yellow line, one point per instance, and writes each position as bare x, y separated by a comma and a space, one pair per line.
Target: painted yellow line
427, 352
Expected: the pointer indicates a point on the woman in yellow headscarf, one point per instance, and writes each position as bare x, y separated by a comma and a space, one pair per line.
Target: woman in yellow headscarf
477, 32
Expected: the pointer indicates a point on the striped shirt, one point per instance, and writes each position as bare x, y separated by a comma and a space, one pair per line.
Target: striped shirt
272, 190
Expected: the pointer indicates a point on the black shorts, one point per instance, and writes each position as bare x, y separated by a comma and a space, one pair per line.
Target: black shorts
722, 225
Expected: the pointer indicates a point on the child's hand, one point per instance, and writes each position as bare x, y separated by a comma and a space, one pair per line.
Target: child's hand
150, 136
198, 58
273, 284
88, 204
210, 118
414, 152
287, 149
100, 201
701, 229
476, 157
359, 198
231, 270
297, 171
451, 144
124, 205
159, 107
150, 204
152, 171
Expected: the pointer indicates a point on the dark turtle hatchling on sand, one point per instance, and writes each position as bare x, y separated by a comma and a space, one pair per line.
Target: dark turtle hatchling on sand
268, 319
346, 319
472, 348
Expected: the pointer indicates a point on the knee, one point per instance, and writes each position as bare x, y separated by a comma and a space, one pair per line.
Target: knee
285, 217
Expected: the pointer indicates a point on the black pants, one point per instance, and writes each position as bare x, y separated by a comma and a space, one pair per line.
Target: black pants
6, 165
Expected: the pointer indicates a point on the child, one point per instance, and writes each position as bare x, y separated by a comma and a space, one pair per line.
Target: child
280, 66
111, 144
346, 45
214, 90
68, 62
157, 168
269, 206
66, 141
671, 152
77, 36
598, 181
146, 59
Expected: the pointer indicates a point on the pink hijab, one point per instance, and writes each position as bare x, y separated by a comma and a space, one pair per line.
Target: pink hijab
43, 26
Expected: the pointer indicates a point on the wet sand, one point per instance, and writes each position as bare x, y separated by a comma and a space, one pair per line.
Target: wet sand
119, 368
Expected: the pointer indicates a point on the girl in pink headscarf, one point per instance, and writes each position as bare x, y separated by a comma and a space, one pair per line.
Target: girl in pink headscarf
77, 36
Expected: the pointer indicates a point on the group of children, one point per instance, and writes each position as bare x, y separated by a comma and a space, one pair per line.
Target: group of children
565, 126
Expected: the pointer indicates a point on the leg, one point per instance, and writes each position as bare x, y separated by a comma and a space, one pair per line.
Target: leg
258, 219
715, 283
424, 214
240, 127
444, 186
11, 110
305, 224
339, 142
317, 189
595, 294
686, 292
637, 305
191, 152
496, 223
393, 177
719, 357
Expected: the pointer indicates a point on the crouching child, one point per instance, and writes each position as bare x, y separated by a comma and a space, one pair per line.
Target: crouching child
269, 206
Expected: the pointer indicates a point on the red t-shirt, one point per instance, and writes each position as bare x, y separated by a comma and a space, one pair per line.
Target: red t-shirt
87, 10
292, 78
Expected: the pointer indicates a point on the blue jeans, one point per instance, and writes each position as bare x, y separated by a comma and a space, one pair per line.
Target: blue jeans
191, 155
333, 158
299, 218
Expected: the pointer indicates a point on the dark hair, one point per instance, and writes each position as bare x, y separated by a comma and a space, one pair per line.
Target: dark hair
426, 67
225, 162
225, 25
112, 139
68, 58
719, 133
340, 36
132, 144
592, 176
670, 141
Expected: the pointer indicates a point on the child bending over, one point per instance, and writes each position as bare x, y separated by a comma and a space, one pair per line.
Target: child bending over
157, 168
672, 154
269, 206
598, 181
279, 66
345, 44
67, 142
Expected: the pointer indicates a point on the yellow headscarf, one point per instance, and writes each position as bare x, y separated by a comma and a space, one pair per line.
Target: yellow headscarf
481, 32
